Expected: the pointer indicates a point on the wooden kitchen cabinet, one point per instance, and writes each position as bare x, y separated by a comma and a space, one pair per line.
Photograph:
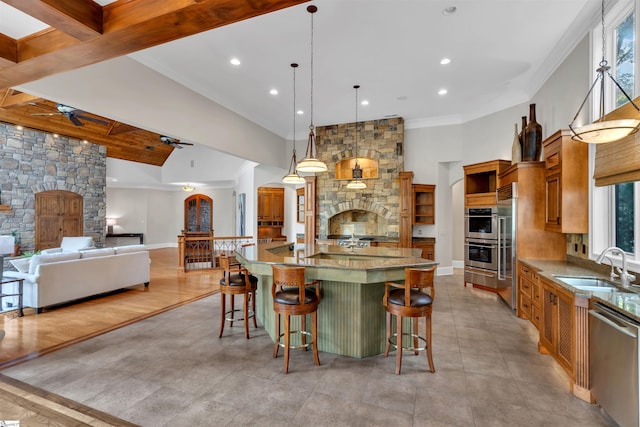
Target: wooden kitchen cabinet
428, 249
566, 184
557, 332
481, 182
300, 205
270, 206
529, 300
424, 206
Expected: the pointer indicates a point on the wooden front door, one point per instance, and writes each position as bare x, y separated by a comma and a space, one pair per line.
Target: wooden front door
58, 214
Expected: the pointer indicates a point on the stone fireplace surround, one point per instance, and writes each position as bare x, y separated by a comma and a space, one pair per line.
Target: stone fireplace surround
381, 140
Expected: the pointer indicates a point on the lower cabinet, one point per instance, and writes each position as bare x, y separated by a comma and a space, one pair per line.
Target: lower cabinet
557, 334
428, 250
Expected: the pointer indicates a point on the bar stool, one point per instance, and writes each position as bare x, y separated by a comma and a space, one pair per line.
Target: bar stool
237, 281
409, 300
293, 297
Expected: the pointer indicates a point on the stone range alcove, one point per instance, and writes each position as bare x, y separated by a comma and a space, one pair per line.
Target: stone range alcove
382, 140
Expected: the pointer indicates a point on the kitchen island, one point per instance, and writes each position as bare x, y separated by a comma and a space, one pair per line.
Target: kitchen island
351, 318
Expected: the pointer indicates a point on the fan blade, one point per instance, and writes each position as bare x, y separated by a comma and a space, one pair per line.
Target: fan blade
47, 114
74, 119
175, 145
184, 143
91, 119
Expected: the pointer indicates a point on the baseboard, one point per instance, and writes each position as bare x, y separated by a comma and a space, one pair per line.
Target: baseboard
444, 271
161, 245
457, 264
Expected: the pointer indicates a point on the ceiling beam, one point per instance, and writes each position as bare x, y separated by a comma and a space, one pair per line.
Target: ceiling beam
81, 19
127, 26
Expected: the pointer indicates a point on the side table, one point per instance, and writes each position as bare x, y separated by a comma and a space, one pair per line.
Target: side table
7, 280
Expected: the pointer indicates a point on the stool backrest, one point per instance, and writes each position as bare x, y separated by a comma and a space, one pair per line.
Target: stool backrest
227, 262
418, 278
288, 277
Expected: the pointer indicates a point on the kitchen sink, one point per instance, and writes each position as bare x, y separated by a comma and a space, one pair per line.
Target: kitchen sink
591, 284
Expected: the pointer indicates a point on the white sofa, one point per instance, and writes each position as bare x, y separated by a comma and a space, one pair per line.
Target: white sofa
68, 244
54, 278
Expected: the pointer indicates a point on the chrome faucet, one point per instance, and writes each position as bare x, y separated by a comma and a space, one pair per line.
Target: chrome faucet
625, 276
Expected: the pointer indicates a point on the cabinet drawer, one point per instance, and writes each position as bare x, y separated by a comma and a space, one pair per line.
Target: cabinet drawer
535, 315
526, 272
525, 307
535, 290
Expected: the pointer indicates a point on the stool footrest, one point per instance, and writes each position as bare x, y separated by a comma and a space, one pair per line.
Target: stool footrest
234, 319
393, 339
306, 345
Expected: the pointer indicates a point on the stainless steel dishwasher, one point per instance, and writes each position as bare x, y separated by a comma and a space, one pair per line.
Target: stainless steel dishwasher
613, 363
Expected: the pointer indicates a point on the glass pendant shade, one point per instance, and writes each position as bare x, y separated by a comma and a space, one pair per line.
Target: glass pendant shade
310, 163
602, 131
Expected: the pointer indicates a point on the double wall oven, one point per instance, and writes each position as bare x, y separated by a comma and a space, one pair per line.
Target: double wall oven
481, 246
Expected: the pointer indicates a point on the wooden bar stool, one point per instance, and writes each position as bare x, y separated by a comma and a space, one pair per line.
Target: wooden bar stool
237, 281
409, 300
293, 297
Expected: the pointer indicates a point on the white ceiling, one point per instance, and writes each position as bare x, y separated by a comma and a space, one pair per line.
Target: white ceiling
501, 52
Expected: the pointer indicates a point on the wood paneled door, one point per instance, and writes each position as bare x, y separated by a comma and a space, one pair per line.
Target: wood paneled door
58, 213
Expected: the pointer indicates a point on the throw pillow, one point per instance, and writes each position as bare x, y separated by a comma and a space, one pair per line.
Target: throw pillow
21, 264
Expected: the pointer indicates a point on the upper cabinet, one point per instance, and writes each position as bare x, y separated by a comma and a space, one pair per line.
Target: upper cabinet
424, 204
270, 206
481, 182
566, 184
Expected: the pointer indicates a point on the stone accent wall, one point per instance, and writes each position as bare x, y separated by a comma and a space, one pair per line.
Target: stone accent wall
382, 140
32, 161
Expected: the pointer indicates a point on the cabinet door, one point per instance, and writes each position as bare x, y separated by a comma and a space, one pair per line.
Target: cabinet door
264, 206
277, 206
553, 195
565, 332
547, 331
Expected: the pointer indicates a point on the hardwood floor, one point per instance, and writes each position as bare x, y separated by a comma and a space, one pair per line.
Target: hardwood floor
36, 334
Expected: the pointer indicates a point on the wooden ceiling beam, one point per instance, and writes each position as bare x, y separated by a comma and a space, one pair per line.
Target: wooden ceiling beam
11, 98
81, 19
128, 26
8, 51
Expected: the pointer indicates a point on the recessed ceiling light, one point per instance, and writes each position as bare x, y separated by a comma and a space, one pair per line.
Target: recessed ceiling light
442, 92
445, 61
19, 127
235, 61
364, 102
449, 10
300, 112
85, 141
273, 91
55, 135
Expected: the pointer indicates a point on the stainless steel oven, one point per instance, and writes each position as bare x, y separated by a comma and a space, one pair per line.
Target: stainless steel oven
481, 253
481, 262
481, 223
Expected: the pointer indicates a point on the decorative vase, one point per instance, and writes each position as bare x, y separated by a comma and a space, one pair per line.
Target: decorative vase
532, 144
521, 134
516, 149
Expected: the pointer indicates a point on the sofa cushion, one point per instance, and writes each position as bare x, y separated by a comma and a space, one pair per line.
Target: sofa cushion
21, 264
36, 260
76, 243
129, 248
92, 253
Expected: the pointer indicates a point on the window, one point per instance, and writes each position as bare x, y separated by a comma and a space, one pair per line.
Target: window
617, 206
300, 204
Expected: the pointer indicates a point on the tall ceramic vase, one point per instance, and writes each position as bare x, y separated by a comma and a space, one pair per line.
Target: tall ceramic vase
516, 148
532, 144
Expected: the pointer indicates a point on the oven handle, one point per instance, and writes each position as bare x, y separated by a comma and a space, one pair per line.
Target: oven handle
482, 245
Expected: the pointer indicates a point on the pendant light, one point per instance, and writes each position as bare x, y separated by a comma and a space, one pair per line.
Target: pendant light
292, 177
602, 131
356, 182
310, 163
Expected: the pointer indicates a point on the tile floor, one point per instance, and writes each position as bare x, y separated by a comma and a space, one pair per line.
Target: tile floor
172, 370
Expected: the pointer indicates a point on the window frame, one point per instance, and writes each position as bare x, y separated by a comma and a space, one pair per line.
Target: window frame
603, 198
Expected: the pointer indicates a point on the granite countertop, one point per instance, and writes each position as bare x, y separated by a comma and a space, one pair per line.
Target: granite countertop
627, 303
334, 257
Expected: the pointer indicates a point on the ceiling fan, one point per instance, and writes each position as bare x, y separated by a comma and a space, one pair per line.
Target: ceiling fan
167, 140
72, 114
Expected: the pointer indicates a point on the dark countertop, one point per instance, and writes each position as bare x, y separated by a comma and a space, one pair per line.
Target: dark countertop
627, 303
